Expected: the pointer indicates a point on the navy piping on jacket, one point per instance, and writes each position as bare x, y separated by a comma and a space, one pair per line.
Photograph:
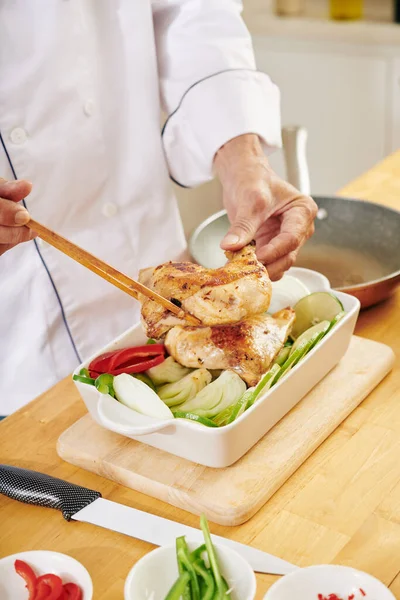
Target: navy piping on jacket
43, 261
185, 94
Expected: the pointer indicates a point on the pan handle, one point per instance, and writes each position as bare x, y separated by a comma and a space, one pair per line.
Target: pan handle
294, 147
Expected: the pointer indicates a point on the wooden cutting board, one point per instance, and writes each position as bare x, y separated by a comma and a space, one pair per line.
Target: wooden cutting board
233, 495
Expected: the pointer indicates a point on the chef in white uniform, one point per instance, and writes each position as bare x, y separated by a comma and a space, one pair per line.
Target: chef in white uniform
82, 83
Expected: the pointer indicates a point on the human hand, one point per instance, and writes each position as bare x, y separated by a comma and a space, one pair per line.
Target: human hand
261, 206
13, 216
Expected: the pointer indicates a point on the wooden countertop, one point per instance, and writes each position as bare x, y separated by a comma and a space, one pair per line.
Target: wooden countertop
341, 506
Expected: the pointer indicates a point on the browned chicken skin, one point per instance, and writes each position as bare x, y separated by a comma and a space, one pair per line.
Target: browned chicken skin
237, 290
248, 347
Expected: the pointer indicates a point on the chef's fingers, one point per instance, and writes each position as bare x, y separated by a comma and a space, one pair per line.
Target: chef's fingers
277, 269
15, 235
250, 215
5, 247
12, 214
296, 222
14, 190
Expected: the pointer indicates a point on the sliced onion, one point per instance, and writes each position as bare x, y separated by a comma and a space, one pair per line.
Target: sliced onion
286, 293
140, 397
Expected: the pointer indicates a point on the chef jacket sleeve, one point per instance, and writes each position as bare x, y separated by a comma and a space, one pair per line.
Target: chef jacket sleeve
210, 87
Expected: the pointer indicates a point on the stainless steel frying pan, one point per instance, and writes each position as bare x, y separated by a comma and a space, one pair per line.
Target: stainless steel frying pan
356, 243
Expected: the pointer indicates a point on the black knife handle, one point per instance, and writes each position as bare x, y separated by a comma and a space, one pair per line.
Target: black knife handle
43, 490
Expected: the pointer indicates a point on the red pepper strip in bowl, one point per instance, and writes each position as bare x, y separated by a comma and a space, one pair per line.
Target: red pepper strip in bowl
71, 591
100, 359
42, 591
139, 367
26, 572
54, 583
94, 374
126, 355
111, 361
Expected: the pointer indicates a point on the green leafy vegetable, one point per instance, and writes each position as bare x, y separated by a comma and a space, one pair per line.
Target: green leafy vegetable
185, 389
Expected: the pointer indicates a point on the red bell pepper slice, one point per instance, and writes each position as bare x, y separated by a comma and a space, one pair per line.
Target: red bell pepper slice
72, 591
139, 367
27, 573
119, 361
54, 583
94, 374
42, 591
99, 361
109, 361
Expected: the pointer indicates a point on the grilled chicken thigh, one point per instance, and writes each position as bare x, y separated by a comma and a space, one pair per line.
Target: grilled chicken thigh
237, 290
248, 347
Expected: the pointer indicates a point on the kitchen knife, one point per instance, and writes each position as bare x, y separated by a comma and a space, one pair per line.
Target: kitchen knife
82, 504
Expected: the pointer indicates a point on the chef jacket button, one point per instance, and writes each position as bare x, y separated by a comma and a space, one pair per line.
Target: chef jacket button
109, 210
18, 135
88, 108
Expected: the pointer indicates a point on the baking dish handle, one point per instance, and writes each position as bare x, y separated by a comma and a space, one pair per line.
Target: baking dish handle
113, 415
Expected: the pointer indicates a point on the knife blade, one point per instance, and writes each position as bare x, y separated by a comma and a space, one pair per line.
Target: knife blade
82, 504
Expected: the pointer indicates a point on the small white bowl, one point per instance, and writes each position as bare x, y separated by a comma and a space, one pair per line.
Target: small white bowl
306, 584
152, 576
12, 586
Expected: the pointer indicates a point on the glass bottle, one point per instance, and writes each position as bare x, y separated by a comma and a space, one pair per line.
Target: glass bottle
289, 8
346, 10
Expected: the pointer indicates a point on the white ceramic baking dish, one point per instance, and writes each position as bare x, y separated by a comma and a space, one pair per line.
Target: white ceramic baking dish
221, 447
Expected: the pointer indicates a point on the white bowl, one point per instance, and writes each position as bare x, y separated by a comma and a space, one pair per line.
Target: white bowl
153, 576
306, 584
12, 586
220, 447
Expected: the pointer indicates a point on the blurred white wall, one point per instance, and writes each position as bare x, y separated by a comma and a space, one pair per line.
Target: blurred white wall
197, 204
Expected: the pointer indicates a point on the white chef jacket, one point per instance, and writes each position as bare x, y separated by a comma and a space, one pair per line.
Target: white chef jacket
82, 84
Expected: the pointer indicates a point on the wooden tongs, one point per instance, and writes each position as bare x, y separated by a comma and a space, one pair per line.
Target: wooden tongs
121, 281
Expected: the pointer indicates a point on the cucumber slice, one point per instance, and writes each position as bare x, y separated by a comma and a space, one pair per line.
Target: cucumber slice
283, 355
222, 418
265, 383
336, 319
314, 333
312, 309
241, 405
293, 359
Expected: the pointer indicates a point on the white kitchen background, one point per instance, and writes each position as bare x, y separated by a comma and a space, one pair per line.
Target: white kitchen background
341, 80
